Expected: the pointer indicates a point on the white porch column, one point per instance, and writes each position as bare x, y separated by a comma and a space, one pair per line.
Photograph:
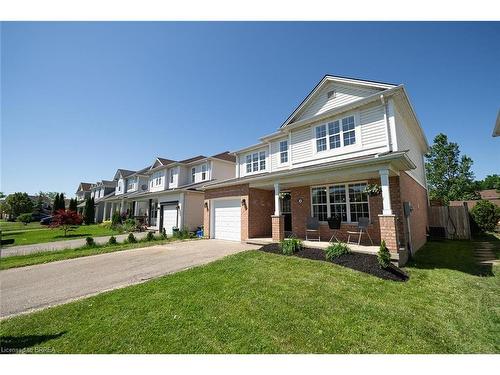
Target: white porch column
386, 194
105, 213
277, 208
121, 206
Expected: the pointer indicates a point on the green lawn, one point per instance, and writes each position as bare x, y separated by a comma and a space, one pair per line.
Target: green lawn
256, 302
52, 256
28, 237
13, 225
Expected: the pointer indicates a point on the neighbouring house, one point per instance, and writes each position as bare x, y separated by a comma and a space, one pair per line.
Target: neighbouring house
100, 191
82, 193
346, 135
496, 129
490, 195
166, 194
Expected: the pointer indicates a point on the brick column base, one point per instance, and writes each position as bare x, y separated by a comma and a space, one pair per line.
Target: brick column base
278, 227
389, 232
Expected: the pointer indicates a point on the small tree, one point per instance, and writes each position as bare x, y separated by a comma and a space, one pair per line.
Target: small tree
19, 203
25, 218
66, 220
383, 255
89, 211
486, 215
73, 205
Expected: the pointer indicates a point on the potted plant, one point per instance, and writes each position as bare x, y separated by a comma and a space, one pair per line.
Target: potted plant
373, 190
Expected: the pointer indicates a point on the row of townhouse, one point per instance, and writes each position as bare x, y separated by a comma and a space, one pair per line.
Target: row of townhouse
346, 134
165, 195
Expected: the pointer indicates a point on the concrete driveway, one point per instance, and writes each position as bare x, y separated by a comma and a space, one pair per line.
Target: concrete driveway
36, 287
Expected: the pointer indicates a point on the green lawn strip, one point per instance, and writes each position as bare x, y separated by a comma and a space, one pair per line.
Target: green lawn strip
52, 256
28, 237
255, 302
15, 226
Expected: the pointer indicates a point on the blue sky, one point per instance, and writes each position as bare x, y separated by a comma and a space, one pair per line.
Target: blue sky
80, 100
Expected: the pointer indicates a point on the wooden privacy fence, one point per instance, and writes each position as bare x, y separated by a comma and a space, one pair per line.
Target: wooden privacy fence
454, 220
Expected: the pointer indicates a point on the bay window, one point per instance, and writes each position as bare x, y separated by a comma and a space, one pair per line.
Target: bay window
335, 134
256, 162
349, 201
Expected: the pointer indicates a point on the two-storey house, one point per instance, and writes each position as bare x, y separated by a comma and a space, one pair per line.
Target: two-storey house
100, 191
82, 193
346, 140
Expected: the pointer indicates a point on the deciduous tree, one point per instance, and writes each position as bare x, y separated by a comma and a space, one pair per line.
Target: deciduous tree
66, 220
19, 203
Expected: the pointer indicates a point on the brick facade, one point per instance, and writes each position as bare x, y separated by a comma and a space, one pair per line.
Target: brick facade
278, 228
412, 191
260, 210
388, 232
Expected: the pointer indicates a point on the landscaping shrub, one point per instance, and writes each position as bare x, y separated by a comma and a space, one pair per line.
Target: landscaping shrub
106, 224
129, 225
90, 241
336, 250
163, 234
131, 238
116, 219
150, 236
290, 245
112, 240
485, 215
383, 255
25, 218
182, 234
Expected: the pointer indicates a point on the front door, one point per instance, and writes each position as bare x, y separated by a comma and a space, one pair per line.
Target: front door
286, 211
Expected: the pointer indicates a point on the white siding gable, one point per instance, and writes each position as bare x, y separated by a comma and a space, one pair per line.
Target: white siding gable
343, 94
157, 180
120, 187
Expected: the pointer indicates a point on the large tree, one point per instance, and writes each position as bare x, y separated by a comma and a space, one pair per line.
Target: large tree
18, 203
449, 175
89, 211
73, 205
490, 182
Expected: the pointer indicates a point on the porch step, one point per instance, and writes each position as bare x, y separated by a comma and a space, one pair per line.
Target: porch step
259, 241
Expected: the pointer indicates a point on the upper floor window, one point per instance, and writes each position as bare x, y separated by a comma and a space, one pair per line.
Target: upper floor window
193, 174
256, 162
338, 133
172, 172
284, 152
203, 172
131, 183
156, 178
349, 201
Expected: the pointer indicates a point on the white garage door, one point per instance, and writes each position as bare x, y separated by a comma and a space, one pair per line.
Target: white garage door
169, 218
227, 219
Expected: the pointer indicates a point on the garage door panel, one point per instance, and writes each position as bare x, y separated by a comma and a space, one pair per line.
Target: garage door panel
169, 218
227, 219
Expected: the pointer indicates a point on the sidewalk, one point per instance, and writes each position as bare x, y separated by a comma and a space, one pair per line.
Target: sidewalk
61, 245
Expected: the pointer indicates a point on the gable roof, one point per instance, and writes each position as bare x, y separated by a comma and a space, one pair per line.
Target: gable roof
122, 173
339, 79
225, 156
84, 186
160, 162
496, 129
193, 159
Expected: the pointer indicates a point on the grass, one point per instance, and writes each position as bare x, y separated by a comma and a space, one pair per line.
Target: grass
53, 256
255, 302
14, 226
28, 237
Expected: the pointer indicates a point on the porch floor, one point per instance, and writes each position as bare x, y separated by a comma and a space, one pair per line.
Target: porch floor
317, 244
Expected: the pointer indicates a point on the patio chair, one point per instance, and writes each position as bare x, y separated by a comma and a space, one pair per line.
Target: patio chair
334, 225
362, 228
312, 227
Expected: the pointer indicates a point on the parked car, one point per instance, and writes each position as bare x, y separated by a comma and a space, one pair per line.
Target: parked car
46, 221
38, 216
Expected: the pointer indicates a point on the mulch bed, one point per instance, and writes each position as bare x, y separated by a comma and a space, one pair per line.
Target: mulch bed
357, 261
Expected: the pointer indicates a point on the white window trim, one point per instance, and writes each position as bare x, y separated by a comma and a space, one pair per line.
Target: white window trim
193, 175
348, 206
287, 152
204, 166
342, 149
259, 161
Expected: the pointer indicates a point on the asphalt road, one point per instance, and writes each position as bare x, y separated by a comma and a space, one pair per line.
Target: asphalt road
35, 287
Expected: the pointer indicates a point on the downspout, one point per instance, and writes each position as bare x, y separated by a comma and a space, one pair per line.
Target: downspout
387, 125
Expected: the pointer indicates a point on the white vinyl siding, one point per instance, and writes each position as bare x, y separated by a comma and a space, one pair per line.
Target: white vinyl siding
373, 127
407, 140
157, 181
301, 144
344, 94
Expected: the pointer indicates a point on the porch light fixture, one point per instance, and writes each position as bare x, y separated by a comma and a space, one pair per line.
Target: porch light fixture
300, 200
206, 205
244, 203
